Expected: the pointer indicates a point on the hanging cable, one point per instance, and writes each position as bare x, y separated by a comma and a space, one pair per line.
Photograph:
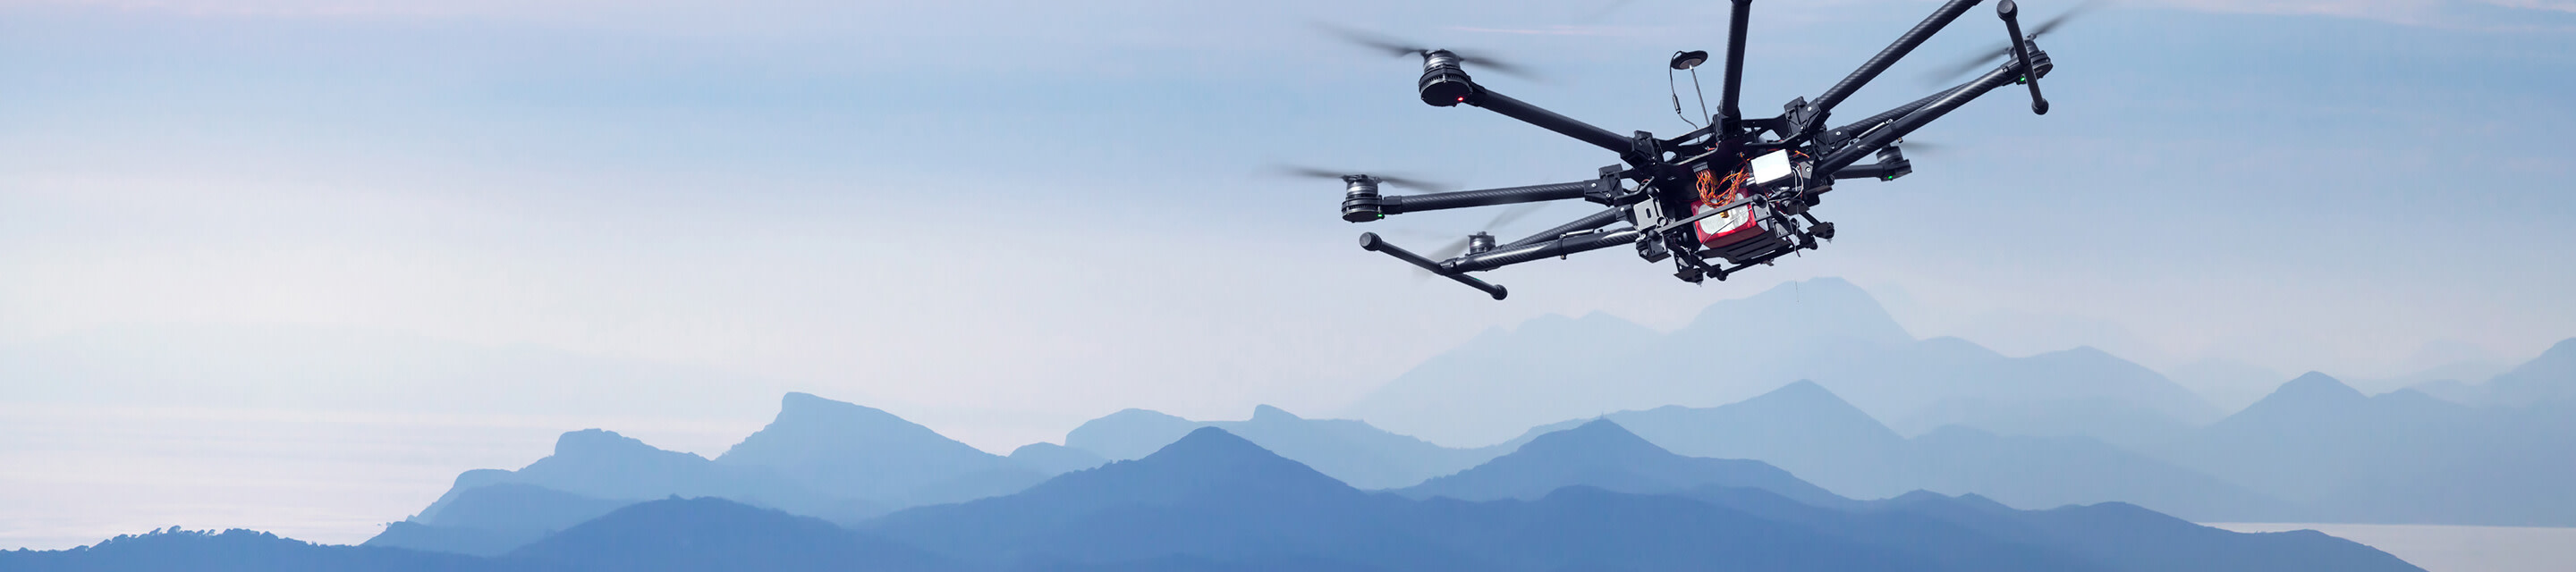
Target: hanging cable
1677, 96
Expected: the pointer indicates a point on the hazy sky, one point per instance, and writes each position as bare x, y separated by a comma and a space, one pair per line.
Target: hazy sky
1003, 218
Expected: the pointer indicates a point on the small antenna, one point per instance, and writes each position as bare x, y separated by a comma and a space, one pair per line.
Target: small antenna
1689, 60
1677, 96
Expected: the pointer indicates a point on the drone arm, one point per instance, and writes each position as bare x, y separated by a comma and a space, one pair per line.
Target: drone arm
1588, 222
1400, 204
1887, 57
1858, 127
1887, 168
1501, 257
1370, 242
1549, 120
1737, 21
1882, 137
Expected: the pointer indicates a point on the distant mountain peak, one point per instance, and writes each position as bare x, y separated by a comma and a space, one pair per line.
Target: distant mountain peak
1128, 434
1214, 451
854, 451
2550, 377
802, 408
1824, 306
2315, 386
1269, 413
1206, 461
1139, 413
597, 443
1211, 443
2310, 398
1802, 395
1598, 438
1804, 390
1603, 454
2089, 352
806, 420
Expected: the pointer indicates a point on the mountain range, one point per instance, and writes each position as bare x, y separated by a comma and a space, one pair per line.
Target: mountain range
1801, 427
1993, 455
1354, 452
827, 459
1601, 454
1825, 330
1215, 501
2315, 450
2405, 456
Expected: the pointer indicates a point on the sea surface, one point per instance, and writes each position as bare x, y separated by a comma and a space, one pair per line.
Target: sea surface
72, 475
2443, 548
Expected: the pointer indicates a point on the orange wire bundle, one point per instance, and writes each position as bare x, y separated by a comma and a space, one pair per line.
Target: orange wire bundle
1717, 192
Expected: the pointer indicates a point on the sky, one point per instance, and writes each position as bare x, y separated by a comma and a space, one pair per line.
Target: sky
467, 226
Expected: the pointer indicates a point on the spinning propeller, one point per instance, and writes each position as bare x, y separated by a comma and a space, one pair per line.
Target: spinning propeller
1509, 214
1396, 47
1992, 56
1410, 182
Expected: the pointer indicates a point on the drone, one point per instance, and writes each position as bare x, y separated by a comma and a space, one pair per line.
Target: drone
1734, 194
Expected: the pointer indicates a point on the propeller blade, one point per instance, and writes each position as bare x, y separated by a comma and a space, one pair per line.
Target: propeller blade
1307, 172
1416, 183
2080, 9
1396, 47
1912, 147
1451, 250
1509, 214
1486, 62
1407, 181
1983, 60
1992, 57
1391, 46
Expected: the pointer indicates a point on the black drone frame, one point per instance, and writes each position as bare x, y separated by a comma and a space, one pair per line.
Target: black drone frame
1667, 172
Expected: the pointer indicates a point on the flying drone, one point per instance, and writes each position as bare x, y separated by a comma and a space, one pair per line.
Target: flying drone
1736, 193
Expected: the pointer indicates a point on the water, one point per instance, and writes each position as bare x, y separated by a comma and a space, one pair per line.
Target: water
72, 475
2441, 548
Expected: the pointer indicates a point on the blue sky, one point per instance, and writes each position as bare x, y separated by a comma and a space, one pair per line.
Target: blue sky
1002, 218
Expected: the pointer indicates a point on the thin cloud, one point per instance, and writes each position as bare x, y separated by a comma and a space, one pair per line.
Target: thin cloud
2431, 13
1557, 30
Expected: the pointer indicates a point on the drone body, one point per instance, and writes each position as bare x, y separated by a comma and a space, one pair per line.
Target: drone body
1714, 201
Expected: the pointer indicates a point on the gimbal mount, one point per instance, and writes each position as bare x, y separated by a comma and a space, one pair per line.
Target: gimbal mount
1716, 200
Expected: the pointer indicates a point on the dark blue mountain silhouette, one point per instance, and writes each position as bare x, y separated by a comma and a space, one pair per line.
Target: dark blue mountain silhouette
236, 550
1351, 451
494, 519
851, 451
1603, 455
1215, 501
716, 534
1209, 495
